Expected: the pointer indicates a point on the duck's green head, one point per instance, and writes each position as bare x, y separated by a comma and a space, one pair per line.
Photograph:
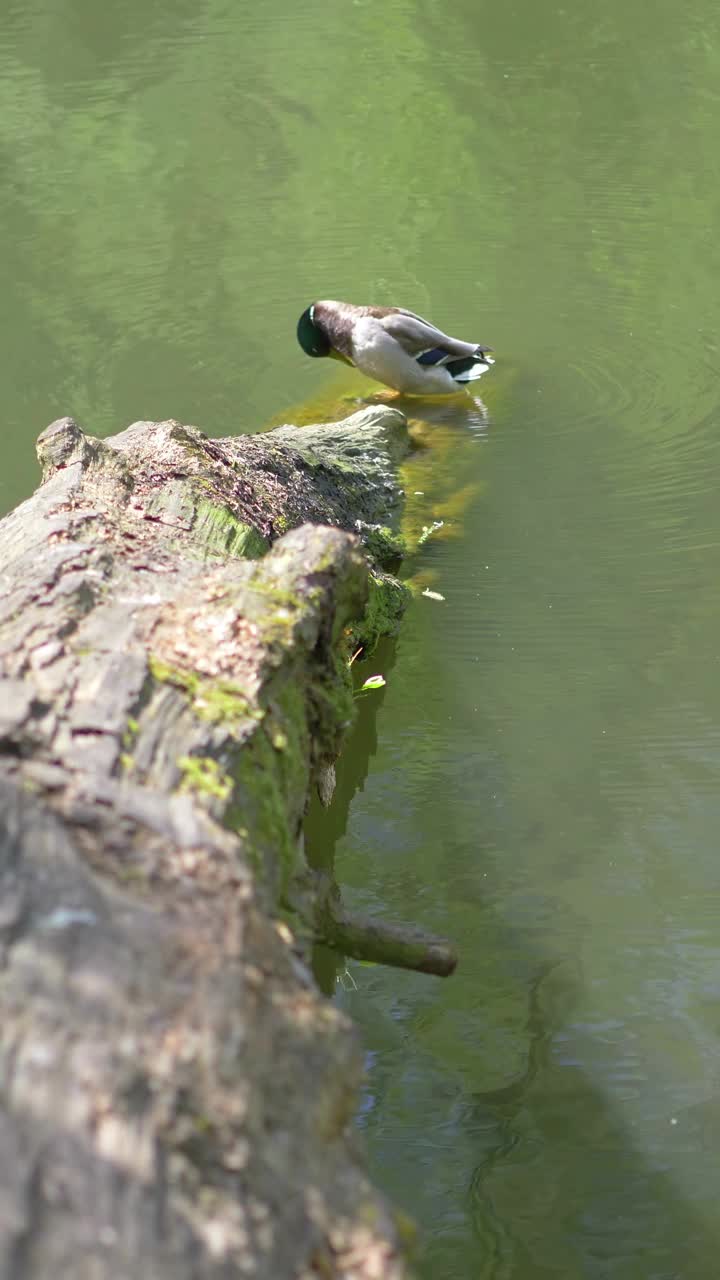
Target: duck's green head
310, 336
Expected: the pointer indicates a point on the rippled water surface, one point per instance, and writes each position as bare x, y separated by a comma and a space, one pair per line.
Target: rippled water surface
540, 779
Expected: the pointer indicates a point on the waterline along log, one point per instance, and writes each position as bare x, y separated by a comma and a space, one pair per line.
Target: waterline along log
177, 1097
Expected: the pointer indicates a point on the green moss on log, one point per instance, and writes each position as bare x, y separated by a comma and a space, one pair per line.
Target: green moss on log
218, 700
381, 543
387, 601
223, 534
268, 775
203, 776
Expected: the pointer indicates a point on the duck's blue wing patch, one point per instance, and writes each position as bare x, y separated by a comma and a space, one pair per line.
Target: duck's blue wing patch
435, 356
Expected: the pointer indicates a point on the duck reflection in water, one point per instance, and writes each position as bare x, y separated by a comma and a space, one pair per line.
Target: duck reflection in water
463, 410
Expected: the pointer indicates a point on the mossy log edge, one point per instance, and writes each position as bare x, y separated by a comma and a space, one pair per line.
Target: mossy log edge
177, 1098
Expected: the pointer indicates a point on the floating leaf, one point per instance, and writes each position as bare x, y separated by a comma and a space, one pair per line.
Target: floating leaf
374, 682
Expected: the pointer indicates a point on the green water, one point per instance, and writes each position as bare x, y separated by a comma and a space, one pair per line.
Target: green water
541, 777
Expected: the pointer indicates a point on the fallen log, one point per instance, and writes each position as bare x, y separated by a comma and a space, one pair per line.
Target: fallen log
176, 1097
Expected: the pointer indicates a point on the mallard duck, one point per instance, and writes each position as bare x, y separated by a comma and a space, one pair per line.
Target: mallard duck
393, 346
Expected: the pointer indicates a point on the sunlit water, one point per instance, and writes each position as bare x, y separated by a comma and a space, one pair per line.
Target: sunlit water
540, 780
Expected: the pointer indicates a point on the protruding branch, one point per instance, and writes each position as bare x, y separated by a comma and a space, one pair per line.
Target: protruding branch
402, 946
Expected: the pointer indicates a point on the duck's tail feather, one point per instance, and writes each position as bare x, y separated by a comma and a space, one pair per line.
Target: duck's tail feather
460, 368
469, 368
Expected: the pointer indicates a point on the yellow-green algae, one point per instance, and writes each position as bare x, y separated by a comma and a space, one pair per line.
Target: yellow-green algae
217, 699
223, 534
264, 774
202, 775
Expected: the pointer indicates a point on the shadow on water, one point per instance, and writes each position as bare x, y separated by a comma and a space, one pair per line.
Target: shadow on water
324, 827
513, 1126
603, 1207
560, 1185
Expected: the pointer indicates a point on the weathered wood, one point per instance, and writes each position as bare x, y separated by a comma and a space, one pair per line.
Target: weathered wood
176, 1097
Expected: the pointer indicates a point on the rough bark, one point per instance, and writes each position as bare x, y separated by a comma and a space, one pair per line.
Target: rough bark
176, 1097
